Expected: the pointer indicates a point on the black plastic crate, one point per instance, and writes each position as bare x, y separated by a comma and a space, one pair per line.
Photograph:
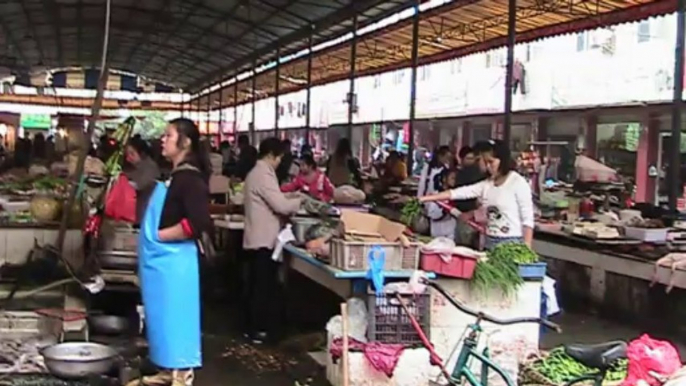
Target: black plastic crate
389, 323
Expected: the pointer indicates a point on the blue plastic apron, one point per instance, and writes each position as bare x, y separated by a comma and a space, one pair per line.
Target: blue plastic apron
170, 286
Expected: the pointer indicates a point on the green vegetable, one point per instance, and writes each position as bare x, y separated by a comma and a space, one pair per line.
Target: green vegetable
497, 273
559, 368
519, 252
410, 211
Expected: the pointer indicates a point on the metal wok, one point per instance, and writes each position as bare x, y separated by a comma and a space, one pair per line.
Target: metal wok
79, 360
108, 324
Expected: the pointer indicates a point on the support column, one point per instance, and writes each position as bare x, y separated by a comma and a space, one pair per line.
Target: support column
235, 106
308, 93
589, 129
254, 100
352, 99
464, 135
511, 36
497, 129
413, 83
674, 180
207, 120
197, 112
646, 157
220, 127
277, 91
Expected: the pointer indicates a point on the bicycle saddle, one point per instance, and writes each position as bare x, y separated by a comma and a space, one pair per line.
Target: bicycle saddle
598, 356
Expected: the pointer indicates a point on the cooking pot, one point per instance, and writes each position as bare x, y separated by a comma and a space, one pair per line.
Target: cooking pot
108, 324
79, 360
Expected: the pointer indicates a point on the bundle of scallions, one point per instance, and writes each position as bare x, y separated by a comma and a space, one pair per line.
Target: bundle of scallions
500, 270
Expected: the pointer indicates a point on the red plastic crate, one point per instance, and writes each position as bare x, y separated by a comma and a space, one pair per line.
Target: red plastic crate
461, 267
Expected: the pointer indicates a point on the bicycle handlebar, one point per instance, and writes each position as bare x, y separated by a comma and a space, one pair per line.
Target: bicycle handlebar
486, 317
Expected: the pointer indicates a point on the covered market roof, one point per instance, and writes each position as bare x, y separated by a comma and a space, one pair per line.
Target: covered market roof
456, 28
186, 43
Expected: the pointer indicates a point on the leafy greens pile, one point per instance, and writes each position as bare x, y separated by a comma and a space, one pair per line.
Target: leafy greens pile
500, 271
559, 368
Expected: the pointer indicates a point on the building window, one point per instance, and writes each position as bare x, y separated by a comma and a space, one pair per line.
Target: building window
582, 41
455, 66
398, 76
495, 58
644, 31
377, 81
424, 73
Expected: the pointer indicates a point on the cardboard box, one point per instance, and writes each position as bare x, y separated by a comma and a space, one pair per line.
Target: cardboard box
369, 227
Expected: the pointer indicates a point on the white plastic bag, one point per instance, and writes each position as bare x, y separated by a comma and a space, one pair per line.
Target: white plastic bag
441, 245
357, 321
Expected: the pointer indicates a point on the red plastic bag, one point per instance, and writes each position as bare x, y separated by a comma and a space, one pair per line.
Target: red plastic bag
121, 201
648, 355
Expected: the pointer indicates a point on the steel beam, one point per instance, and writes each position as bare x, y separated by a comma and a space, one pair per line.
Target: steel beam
511, 39
235, 105
32, 27
674, 181
352, 99
193, 10
277, 85
14, 42
251, 30
327, 22
413, 83
308, 95
53, 9
254, 101
221, 112
207, 119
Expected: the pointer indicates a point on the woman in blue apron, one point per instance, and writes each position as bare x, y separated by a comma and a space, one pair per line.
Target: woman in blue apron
176, 217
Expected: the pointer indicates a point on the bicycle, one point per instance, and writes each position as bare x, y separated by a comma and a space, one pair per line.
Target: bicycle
600, 357
469, 350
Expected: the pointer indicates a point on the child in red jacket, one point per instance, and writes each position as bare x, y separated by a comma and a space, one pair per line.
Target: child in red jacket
311, 181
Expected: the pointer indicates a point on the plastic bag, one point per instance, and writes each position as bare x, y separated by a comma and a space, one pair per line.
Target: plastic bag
357, 321
347, 194
441, 245
648, 355
121, 201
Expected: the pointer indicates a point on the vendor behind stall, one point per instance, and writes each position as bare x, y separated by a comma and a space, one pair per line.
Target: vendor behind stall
395, 170
142, 173
342, 168
506, 195
310, 181
176, 219
265, 205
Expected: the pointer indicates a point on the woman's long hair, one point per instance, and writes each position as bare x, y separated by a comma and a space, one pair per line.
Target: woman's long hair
198, 156
343, 150
438, 154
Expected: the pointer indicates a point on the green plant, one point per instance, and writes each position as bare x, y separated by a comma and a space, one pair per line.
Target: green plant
410, 211
497, 272
558, 367
519, 252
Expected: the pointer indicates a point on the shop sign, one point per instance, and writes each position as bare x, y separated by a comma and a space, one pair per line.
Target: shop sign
36, 121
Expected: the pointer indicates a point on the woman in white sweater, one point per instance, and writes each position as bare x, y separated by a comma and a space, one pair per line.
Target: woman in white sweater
506, 195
